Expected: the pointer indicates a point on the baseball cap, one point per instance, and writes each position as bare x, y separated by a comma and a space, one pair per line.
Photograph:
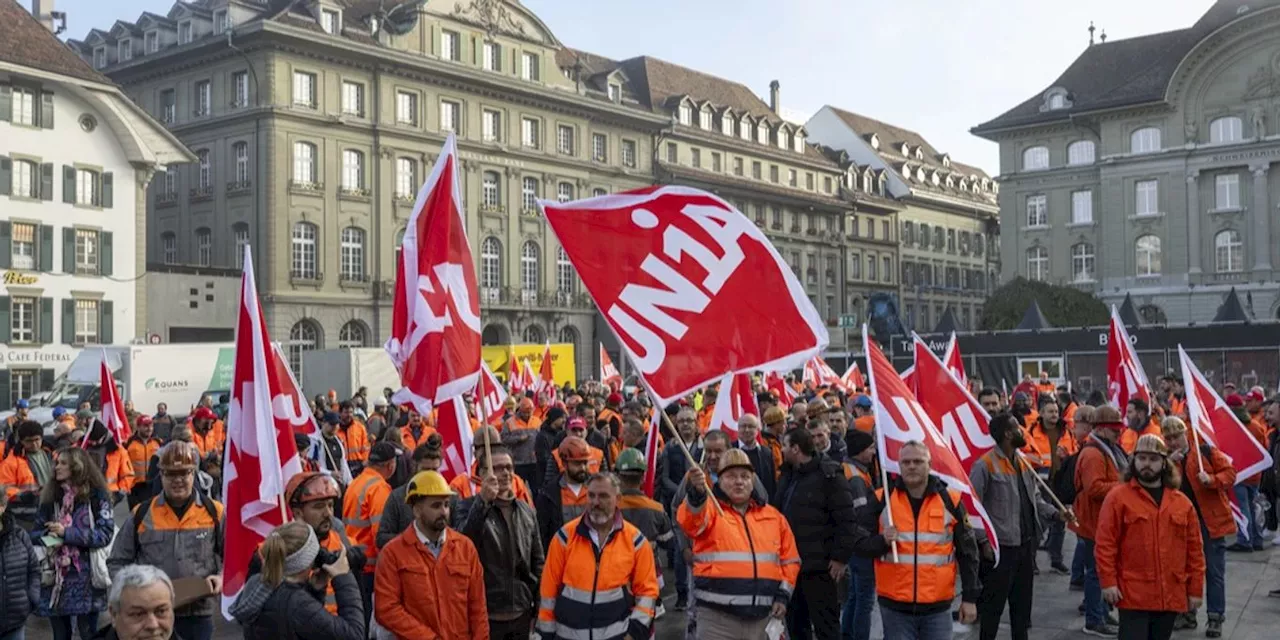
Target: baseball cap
1255, 394
863, 402
332, 417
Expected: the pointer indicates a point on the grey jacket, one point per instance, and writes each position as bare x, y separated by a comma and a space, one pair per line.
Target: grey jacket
993, 479
186, 548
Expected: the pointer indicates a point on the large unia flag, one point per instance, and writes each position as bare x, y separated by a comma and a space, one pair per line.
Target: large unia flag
1126, 378
435, 339
818, 373
490, 395
691, 287
609, 375
734, 400
852, 378
260, 452
290, 405
901, 419
960, 419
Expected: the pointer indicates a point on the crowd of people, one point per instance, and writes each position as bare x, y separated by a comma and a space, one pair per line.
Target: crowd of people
783, 525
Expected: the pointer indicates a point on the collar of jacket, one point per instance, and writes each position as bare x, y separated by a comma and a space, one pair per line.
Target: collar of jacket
584, 527
932, 486
805, 467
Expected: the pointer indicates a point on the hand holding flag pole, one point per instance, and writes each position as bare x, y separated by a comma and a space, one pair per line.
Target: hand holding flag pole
1044, 486
689, 456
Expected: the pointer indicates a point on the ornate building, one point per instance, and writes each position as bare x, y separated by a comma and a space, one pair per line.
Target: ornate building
1144, 168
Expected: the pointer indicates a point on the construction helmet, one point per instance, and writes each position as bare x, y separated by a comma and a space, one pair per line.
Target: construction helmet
144, 420
310, 486
1172, 427
1151, 443
735, 458
427, 484
204, 413
575, 449
630, 461
179, 456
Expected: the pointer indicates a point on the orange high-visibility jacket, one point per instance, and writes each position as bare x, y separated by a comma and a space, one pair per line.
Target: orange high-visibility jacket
356, 439
362, 512
119, 471
925, 570
1214, 500
140, 452
1153, 553
410, 442
16, 476
1096, 475
1129, 437
420, 595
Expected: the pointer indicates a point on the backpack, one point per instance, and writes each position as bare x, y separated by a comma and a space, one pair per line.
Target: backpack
1064, 483
143, 507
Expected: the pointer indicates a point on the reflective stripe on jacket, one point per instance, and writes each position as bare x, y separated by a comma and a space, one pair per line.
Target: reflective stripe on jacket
925, 569
362, 512
140, 452
604, 593
593, 463
16, 476
185, 547
119, 471
1153, 553
355, 438
336, 541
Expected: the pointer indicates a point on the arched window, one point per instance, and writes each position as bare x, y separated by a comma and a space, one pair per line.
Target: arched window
490, 269
1226, 129
1228, 252
240, 231
1151, 314
1038, 263
1145, 140
1147, 253
304, 336
566, 278
1081, 152
1082, 262
533, 335
353, 335
530, 271
569, 335
1035, 158
351, 255
169, 247
303, 263
491, 191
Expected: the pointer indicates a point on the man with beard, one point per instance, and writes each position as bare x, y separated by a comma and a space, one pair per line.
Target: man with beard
415, 431
334, 451
1043, 445
566, 499
140, 447
1149, 552
1005, 484
396, 514
819, 415
597, 430
838, 421
429, 582
362, 508
1138, 419
1099, 467
599, 579
990, 400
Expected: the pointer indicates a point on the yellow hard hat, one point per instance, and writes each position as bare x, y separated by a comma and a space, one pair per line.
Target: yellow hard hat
427, 484
1151, 443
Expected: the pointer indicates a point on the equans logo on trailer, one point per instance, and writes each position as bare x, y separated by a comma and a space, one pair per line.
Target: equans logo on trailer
152, 383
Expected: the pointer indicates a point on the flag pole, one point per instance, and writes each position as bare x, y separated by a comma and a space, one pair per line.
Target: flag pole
880, 443
685, 448
484, 426
1044, 486
1195, 442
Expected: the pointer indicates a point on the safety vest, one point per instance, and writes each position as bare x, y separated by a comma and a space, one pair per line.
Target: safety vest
140, 452
336, 541
572, 504
851, 470
411, 443
362, 513
16, 476
925, 569
209, 442
355, 438
118, 472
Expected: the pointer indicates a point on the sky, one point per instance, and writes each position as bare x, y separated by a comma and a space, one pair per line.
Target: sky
938, 67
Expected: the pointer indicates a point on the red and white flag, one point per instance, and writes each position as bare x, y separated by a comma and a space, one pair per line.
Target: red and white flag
260, 451
289, 405
777, 383
1216, 424
954, 362
435, 340
609, 375
908, 377
1125, 377
490, 395
651, 452
112, 407
691, 287
818, 373
513, 371
734, 400
454, 426
528, 382
901, 419
960, 419
852, 378
546, 381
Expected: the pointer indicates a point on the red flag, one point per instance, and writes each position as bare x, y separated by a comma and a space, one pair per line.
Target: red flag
777, 383
527, 380
437, 350
289, 404
1125, 377
546, 375
491, 395
609, 375
513, 370
954, 362
908, 377
260, 452
734, 400
651, 452
454, 427
112, 407
690, 286
819, 373
1216, 424
852, 378
901, 419
961, 420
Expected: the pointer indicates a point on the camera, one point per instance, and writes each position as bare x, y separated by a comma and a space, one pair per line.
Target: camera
325, 557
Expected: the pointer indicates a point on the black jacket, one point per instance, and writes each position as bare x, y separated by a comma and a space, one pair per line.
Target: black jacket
816, 501
762, 459
675, 466
19, 575
510, 552
550, 512
295, 612
546, 441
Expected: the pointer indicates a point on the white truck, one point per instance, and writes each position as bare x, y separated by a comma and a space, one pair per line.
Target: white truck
175, 374
346, 370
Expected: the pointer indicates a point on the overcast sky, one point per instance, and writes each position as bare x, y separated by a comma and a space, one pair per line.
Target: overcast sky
936, 66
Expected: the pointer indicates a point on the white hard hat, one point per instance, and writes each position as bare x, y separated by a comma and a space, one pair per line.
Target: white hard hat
379, 401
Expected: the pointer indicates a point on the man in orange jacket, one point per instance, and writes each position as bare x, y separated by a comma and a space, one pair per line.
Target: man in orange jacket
429, 581
362, 508
27, 468
1099, 468
354, 436
1246, 491
1208, 480
140, 447
1139, 421
1149, 552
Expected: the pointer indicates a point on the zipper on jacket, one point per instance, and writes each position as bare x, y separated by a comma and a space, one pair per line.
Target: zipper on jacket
915, 557
595, 582
751, 546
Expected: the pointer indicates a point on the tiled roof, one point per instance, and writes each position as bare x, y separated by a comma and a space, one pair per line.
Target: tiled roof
25, 42
891, 138
658, 82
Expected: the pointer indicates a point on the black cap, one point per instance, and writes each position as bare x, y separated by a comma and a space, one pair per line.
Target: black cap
332, 417
382, 452
857, 441
554, 413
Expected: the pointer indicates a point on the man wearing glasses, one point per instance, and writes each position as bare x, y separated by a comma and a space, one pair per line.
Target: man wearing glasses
179, 531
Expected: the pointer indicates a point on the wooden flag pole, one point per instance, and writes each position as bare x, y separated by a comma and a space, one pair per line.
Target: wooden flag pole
484, 426
685, 448
888, 510
1045, 486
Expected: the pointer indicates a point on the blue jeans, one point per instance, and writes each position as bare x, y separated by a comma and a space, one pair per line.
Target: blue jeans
1077, 563
193, 627
903, 626
1057, 532
1252, 536
1215, 573
1095, 613
855, 623
680, 568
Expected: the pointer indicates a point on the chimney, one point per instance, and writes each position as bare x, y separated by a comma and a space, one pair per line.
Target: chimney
43, 11
774, 105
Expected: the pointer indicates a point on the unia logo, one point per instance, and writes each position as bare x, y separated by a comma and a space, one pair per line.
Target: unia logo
164, 385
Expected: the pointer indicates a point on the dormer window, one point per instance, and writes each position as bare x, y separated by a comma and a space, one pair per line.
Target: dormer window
745, 128
124, 50
799, 142
1055, 98
726, 124
920, 174
184, 32
906, 171
686, 115
919, 154
330, 21
762, 133
875, 142
784, 139
950, 183
615, 92
221, 21
704, 119
946, 160
933, 177
99, 57
152, 41
905, 150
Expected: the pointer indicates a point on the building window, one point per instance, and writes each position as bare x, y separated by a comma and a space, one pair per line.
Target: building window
351, 255
169, 248
755, 169
1145, 140
491, 125
304, 89
1147, 251
629, 153
599, 147
1228, 252
871, 268
240, 151
884, 230
615, 92
1227, 129
491, 58
240, 233
1082, 263
704, 119
1038, 263
184, 32
762, 133
695, 158
673, 155
204, 247
240, 89
352, 170
1035, 158
304, 163
221, 21
533, 333
726, 124
1082, 207
22, 320
449, 116
86, 321
776, 217
23, 248
887, 271
686, 115
99, 57
203, 98
598, 191
529, 259
773, 173
791, 178
529, 68
353, 335
1037, 211
25, 179
168, 106
808, 181
529, 131
407, 108
826, 184
329, 21
88, 188
490, 191
564, 140
715, 161
304, 250
1146, 198
353, 99
303, 337
737, 166
1081, 152
204, 171
490, 269
784, 139
1226, 191
529, 194
151, 41
564, 191
450, 46
566, 278
124, 50
406, 178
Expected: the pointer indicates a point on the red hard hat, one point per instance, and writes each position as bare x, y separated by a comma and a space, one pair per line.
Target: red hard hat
144, 420
204, 413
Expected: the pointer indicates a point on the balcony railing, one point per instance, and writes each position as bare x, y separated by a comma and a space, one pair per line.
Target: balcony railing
166, 199
238, 186
353, 278
305, 275
202, 193
306, 186
531, 299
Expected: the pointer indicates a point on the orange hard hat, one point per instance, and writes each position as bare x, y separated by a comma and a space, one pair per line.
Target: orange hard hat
574, 449
310, 486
